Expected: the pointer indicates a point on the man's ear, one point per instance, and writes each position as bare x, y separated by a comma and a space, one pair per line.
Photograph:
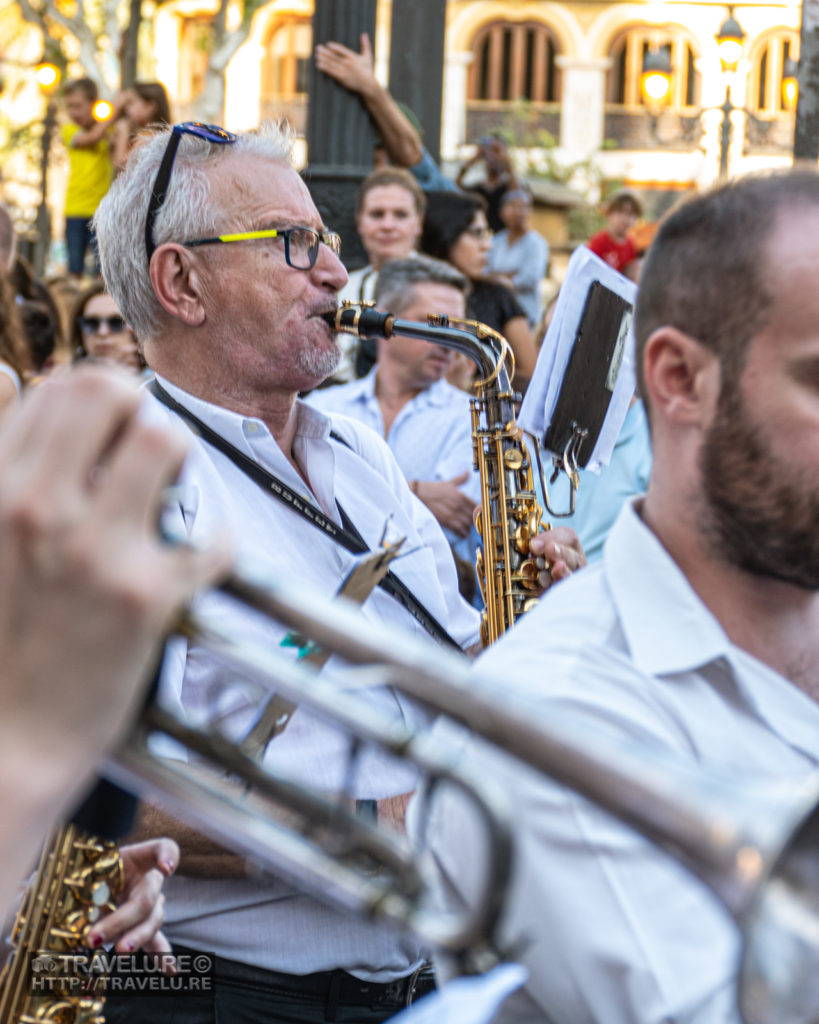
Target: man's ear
177, 284
682, 377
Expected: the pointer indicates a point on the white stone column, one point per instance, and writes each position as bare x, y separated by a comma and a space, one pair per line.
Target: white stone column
453, 107
166, 27
582, 108
243, 86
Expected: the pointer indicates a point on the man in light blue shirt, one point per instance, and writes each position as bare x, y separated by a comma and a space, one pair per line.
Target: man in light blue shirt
600, 496
695, 639
406, 399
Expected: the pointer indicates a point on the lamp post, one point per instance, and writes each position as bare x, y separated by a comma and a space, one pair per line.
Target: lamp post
655, 82
48, 79
730, 39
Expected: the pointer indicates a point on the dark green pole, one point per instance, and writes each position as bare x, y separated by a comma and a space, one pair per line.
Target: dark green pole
417, 63
339, 131
806, 128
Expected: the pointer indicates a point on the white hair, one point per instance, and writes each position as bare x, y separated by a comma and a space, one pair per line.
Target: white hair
189, 211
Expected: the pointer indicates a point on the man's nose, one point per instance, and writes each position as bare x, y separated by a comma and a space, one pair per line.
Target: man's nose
329, 268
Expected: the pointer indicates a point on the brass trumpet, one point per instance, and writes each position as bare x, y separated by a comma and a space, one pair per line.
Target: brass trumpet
757, 853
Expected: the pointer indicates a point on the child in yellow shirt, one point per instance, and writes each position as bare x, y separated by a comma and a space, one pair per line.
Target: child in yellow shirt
90, 170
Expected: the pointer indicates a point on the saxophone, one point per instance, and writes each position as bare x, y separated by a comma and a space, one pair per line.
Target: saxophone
510, 515
76, 882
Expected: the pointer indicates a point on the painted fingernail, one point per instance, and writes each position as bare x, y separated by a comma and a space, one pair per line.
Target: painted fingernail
94, 941
168, 867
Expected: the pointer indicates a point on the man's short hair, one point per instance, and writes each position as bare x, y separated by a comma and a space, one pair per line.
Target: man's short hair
189, 211
397, 278
87, 86
707, 271
392, 176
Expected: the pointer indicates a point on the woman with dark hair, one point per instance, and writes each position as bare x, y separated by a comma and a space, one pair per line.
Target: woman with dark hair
456, 230
14, 361
144, 104
100, 333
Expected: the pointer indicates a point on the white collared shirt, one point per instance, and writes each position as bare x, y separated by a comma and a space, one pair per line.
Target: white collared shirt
431, 437
619, 933
268, 924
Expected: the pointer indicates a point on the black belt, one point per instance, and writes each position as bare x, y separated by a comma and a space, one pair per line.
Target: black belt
334, 987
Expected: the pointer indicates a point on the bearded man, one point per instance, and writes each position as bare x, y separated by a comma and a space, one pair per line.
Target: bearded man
696, 637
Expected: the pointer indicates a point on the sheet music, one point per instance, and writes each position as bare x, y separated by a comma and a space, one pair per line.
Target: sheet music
544, 388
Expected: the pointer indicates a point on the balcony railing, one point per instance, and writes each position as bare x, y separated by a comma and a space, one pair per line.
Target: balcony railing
521, 122
640, 129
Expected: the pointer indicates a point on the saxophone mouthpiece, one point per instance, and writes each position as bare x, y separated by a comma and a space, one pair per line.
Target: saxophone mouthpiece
331, 319
363, 321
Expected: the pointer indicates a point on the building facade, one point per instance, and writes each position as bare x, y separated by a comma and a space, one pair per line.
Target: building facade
559, 77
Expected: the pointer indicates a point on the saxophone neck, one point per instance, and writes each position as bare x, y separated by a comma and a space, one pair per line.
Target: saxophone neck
488, 349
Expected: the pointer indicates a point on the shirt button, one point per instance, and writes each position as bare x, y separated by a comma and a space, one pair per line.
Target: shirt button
251, 428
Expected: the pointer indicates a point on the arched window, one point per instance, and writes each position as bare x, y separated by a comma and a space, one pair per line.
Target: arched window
627, 53
514, 61
287, 58
765, 92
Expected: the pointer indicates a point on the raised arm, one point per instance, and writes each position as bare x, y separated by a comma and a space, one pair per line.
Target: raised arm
355, 72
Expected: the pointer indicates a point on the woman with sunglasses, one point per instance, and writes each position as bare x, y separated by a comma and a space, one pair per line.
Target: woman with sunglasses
456, 230
101, 334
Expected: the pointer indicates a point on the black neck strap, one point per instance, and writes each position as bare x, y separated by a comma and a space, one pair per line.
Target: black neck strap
347, 535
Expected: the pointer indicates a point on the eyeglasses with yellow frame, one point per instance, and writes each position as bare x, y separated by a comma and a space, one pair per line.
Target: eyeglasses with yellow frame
301, 245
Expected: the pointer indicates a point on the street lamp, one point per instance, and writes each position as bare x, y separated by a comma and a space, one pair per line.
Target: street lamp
790, 84
48, 79
655, 81
730, 39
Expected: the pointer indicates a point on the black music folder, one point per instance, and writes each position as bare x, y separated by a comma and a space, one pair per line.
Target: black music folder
592, 371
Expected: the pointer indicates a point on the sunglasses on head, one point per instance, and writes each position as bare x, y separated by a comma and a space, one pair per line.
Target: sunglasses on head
92, 324
208, 132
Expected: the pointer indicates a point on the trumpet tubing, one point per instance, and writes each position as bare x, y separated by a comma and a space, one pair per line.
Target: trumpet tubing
757, 851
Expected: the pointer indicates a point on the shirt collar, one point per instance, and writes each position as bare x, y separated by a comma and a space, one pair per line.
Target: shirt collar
437, 394
667, 627
233, 425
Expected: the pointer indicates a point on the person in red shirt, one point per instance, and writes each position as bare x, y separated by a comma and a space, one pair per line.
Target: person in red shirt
614, 244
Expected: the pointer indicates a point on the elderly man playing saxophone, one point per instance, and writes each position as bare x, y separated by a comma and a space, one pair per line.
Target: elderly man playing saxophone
217, 255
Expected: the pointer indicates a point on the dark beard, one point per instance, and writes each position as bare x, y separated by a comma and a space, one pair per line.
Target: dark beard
761, 515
